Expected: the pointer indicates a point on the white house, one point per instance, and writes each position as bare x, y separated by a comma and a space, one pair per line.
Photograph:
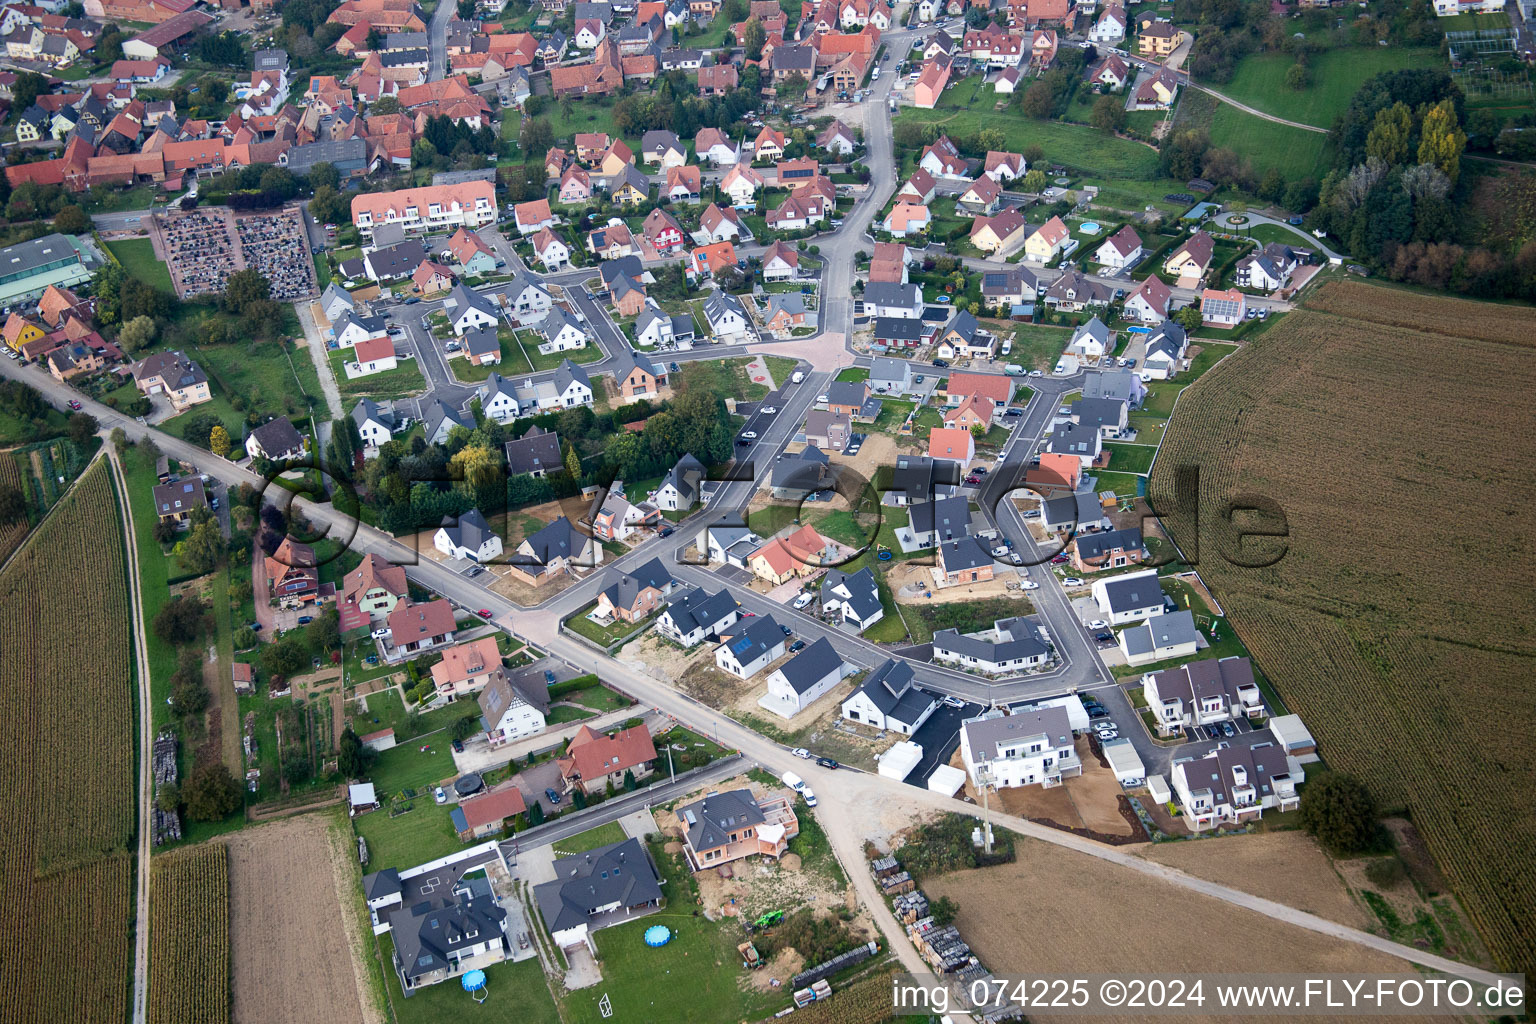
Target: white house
526, 299
561, 333
1129, 598
1149, 301
888, 298
509, 713
1165, 349
698, 615
1010, 646
1110, 28
680, 489
498, 399
1160, 638
469, 537
1233, 785
888, 701
1023, 749
796, 684
727, 318
753, 644
552, 252
350, 328
852, 599
276, 440
1091, 340
1200, 693
468, 309
1119, 249
376, 355
374, 425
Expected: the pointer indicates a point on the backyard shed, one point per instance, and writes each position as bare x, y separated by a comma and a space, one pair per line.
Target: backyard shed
946, 779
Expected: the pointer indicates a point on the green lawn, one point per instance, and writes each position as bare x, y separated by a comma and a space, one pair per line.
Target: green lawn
264, 376
405, 379
564, 714
15, 431
852, 374
587, 115
407, 766
1123, 484
893, 413
139, 471
1162, 393
780, 368
423, 833
137, 255
552, 361
598, 698
603, 635
1294, 152
518, 995
1071, 145
513, 361
1337, 75
609, 832
1266, 233
644, 984
1037, 347
1131, 458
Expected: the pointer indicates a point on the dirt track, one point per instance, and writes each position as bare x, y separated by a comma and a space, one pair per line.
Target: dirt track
293, 962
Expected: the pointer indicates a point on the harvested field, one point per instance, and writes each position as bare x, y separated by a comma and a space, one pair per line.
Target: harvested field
1378, 644
283, 896
1105, 919
1287, 867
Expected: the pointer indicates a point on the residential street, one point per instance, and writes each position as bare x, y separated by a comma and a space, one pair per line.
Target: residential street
844, 792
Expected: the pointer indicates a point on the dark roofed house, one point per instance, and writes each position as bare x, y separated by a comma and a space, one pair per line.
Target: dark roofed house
604, 886
698, 615
729, 826
636, 594
536, 453
275, 440
174, 502
439, 920
887, 700
796, 684
852, 598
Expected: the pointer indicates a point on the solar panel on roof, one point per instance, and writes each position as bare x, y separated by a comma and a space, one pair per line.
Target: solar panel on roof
741, 646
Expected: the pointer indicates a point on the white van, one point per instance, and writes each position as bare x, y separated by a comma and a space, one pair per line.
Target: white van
793, 781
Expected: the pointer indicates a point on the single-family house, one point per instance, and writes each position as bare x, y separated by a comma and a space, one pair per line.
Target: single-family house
800, 681
593, 760
1166, 346
1119, 250
420, 627
750, 646
373, 589
467, 537
851, 598
730, 826
1046, 243
697, 616
1149, 301
965, 560
1129, 598
276, 441
1222, 307
888, 701
1192, 258
953, 443
604, 885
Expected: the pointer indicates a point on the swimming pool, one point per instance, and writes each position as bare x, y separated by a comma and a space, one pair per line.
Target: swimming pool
1088, 227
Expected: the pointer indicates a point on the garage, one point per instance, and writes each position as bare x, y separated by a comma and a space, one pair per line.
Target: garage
1125, 763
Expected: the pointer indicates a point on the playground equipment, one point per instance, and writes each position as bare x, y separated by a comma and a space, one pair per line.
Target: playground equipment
750, 958
474, 984
658, 935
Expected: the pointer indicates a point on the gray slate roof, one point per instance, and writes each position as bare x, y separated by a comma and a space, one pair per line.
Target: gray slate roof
698, 609
811, 665
618, 873
964, 553
950, 517
863, 592
1161, 631
1133, 593
889, 688
1092, 545
536, 451
631, 585
891, 293
987, 733
470, 530
711, 821
559, 539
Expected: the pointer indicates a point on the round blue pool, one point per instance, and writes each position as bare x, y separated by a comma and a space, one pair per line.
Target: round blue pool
658, 935
1088, 227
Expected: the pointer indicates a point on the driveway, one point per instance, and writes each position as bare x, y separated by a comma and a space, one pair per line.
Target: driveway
939, 736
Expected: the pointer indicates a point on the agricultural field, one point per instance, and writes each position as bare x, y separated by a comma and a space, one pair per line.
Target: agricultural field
189, 936
1389, 651
275, 910
1259, 81
66, 671
11, 533
1103, 917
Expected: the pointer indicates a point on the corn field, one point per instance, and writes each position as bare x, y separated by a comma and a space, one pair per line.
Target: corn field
1395, 431
11, 534
66, 782
189, 936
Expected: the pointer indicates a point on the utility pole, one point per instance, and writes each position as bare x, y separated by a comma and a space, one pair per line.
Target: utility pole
983, 781
672, 775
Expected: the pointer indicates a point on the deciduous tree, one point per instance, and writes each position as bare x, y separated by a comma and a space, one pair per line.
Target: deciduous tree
1338, 812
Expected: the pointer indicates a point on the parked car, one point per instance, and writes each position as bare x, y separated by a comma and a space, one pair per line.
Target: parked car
1228, 729
973, 479
1109, 734
1037, 373
768, 410
1098, 624
941, 363
787, 631
484, 613
458, 746
827, 762
676, 368
74, 403
750, 435
1072, 581
377, 634
954, 702
551, 795
665, 531
1056, 559
1033, 513
1013, 412
439, 795
305, 620
742, 442
918, 379
798, 645
810, 797
801, 752
1104, 638
1098, 713
803, 600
